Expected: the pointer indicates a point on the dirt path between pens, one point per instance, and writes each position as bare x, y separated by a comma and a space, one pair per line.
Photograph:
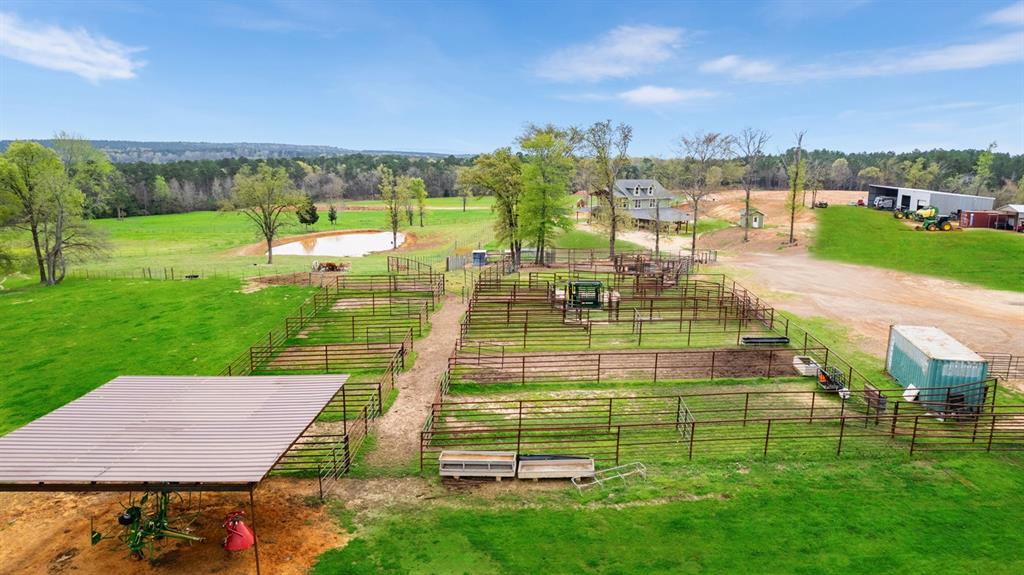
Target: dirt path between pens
398, 430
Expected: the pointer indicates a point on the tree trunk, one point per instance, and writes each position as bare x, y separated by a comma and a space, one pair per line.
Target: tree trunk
746, 216
463, 203
270, 249
693, 235
612, 225
34, 228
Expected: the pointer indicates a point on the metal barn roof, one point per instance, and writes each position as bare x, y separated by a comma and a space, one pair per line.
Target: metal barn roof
936, 343
196, 431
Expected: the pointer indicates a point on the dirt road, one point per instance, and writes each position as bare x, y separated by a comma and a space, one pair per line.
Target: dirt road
864, 299
867, 300
398, 429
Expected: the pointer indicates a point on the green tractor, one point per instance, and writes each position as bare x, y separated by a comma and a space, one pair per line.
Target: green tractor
936, 223
903, 214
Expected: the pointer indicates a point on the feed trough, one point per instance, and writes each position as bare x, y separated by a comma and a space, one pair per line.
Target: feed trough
496, 464
554, 467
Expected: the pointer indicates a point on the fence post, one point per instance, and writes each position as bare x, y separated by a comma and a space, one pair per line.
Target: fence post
746, 403
913, 438
344, 410
618, 441
767, 432
693, 430
655, 367
842, 428
712, 366
991, 431
810, 418
895, 418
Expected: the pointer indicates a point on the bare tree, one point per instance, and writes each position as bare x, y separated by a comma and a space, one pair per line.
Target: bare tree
797, 175
750, 145
817, 173
703, 150
608, 148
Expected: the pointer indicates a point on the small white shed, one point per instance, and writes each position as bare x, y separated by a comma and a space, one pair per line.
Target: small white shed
755, 219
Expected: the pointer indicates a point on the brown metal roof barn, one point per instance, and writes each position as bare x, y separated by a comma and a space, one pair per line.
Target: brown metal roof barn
166, 433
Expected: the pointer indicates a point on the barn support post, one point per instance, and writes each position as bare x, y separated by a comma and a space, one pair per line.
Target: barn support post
255, 538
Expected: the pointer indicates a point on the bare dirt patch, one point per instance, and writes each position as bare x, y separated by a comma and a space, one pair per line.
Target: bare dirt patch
48, 533
398, 429
863, 299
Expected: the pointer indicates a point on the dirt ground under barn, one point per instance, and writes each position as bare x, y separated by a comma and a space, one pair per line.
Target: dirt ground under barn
48, 533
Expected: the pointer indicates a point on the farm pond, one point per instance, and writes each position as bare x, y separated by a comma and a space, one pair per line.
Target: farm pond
342, 244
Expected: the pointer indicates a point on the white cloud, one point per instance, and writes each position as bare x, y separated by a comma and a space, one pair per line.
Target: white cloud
740, 68
625, 51
77, 51
1000, 50
1012, 15
650, 95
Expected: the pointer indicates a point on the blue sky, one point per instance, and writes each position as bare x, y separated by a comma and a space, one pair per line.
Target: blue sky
465, 77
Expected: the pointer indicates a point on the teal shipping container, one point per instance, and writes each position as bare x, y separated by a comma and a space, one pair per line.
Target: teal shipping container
940, 368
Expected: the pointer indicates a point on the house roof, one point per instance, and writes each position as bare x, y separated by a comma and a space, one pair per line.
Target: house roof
668, 215
625, 188
743, 211
1016, 208
202, 433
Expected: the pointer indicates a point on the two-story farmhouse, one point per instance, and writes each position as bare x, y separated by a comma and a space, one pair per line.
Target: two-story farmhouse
647, 201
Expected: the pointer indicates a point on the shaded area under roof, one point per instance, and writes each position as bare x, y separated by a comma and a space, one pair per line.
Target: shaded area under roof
194, 433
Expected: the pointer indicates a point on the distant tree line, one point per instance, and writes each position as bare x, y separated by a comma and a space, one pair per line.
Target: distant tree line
145, 188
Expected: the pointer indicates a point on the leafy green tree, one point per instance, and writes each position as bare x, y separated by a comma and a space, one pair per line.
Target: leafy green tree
870, 175
500, 174
264, 194
462, 186
418, 192
307, 213
840, 173
30, 176
546, 175
918, 174
161, 194
391, 196
403, 188
983, 171
89, 169
332, 214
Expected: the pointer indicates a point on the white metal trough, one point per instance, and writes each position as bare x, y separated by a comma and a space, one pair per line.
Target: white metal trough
805, 365
496, 464
554, 467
